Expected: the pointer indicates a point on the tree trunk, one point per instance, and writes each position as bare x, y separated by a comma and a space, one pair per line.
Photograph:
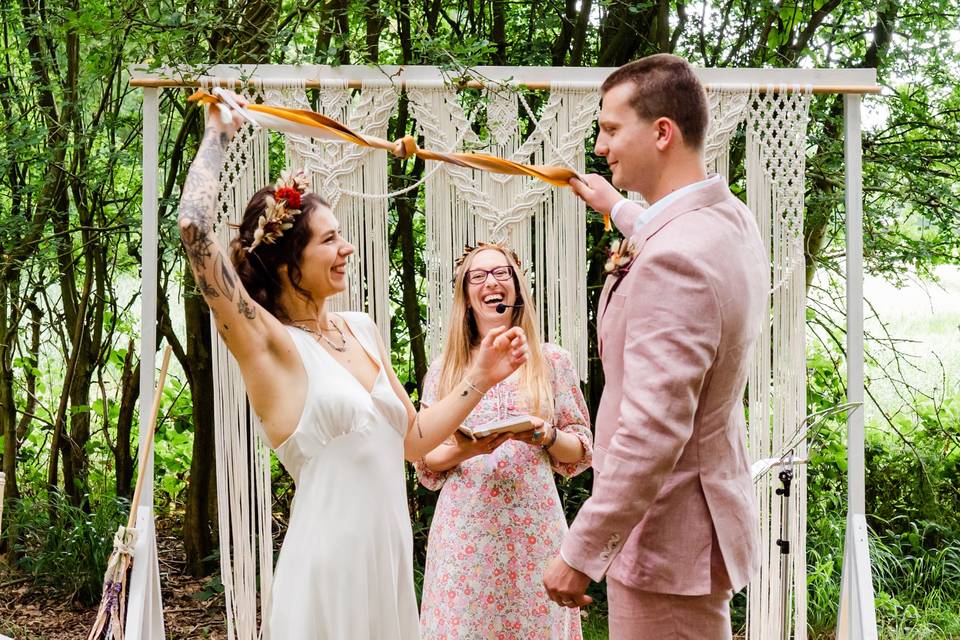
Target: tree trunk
498, 33
580, 34
129, 392
197, 535
375, 23
8, 405
558, 52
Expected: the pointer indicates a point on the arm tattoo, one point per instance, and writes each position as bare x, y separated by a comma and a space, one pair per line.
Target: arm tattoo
207, 289
197, 203
226, 278
199, 197
248, 312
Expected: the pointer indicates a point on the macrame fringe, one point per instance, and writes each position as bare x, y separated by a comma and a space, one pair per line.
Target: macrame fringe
775, 164
546, 227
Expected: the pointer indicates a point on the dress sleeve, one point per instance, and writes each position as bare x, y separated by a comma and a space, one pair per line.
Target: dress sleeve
432, 480
569, 409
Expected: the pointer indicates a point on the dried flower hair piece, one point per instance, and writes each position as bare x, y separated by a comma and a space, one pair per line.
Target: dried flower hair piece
281, 209
467, 250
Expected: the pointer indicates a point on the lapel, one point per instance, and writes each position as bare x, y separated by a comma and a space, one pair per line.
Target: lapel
705, 197
601, 307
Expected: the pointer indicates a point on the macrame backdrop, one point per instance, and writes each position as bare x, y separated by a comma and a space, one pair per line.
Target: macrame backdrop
776, 131
547, 228
352, 180
543, 224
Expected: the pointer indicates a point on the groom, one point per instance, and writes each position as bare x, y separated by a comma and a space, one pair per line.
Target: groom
671, 523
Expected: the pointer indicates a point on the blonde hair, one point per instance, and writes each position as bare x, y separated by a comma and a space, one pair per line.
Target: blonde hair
464, 335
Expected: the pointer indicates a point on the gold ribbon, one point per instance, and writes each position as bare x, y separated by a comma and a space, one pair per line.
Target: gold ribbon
318, 125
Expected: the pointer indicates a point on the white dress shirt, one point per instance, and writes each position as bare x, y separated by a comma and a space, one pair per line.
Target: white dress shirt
657, 207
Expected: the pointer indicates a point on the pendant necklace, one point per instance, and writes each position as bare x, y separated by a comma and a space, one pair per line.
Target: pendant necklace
340, 348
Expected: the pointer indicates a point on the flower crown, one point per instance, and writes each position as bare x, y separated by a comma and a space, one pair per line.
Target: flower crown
467, 250
281, 208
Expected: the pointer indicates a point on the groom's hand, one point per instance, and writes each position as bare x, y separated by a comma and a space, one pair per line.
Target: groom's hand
596, 192
565, 585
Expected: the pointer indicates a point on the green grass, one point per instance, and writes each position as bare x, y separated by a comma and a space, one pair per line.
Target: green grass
926, 318
595, 627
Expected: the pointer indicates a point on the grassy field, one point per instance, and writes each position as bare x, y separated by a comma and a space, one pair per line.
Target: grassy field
924, 321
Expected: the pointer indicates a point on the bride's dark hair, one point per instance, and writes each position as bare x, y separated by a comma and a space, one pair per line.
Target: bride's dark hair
258, 268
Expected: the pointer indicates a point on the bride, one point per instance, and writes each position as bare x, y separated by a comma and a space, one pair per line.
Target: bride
331, 406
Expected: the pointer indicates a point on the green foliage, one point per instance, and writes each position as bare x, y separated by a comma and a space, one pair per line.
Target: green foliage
173, 444
73, 82
66, 547
913, 512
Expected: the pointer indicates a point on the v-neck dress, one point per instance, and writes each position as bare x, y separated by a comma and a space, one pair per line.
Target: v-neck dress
345, 570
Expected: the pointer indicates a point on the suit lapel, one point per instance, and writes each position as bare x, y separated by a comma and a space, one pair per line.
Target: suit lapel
601, 307
687, 204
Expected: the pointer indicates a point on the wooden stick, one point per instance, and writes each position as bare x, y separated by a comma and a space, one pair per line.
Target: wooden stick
533, 86
148, 441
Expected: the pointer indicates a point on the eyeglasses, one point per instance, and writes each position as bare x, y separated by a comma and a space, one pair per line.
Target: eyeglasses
479, 276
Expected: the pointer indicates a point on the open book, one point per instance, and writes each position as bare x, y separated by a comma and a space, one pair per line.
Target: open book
513, 424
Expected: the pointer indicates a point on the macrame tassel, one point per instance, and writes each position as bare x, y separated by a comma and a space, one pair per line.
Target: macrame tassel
243, 462
776, 132
350, 179
544, 226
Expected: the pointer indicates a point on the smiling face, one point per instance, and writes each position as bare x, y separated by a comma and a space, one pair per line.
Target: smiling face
629, 143
484, 296
323, 261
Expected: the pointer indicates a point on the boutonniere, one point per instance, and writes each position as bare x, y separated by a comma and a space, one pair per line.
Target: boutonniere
619, 258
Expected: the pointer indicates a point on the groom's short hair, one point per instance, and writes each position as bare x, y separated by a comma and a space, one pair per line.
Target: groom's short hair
665, 86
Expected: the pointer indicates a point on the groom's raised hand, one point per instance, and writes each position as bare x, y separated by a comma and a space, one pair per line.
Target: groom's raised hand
596, 192
565, 585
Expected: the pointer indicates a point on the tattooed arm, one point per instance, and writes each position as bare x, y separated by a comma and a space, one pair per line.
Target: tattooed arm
256, 339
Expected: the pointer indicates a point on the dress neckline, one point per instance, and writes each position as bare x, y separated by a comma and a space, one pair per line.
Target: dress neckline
376, 359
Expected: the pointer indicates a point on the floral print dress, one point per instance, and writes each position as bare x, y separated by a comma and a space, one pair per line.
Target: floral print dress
498, 523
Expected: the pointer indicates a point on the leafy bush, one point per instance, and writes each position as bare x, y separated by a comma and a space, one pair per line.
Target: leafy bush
64, 547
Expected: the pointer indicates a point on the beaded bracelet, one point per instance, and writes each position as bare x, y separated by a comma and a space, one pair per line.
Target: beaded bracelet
553, 439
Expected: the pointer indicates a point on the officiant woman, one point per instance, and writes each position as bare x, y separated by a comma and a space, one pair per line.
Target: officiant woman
498, 519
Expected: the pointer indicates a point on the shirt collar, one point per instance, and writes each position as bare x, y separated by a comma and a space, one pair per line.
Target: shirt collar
663, 203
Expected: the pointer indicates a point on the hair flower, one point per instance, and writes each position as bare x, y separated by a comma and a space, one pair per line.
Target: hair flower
281, 209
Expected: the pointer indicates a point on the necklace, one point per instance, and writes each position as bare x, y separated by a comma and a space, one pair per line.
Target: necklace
319, 335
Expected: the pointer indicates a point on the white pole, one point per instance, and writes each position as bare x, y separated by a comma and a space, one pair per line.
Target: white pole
857, 619
145, 609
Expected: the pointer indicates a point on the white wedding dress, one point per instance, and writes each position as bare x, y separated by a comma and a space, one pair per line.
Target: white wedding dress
345, 570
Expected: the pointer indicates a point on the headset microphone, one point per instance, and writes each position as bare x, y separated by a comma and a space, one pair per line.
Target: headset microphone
503, 307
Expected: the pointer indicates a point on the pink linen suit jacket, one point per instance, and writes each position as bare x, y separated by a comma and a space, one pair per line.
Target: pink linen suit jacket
672, 508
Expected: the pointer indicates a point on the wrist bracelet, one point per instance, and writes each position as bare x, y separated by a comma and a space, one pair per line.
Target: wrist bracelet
473, 387
553, 439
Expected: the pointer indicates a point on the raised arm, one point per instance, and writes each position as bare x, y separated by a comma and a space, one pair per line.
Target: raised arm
501, 353
247, 328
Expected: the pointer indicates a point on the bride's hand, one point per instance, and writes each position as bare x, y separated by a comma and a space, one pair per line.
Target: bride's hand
222, 119
501, 352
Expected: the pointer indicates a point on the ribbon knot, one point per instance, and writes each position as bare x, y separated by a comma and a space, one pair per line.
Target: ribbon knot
405, 147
